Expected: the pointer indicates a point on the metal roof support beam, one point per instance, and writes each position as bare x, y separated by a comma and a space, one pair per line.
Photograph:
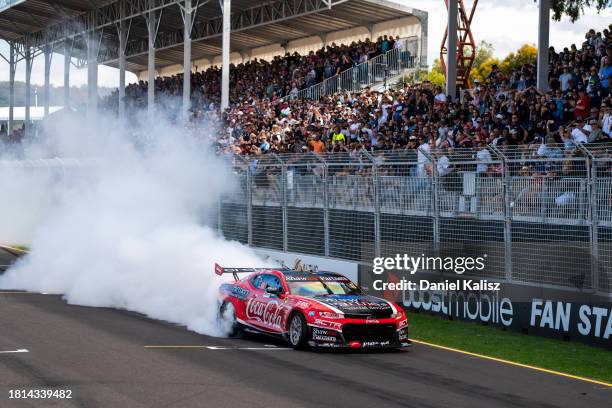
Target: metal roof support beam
12, 69
543, 44
225, 54
451, 66
27, 54
187, 13
67, 60
153, 19
93, 47
123, 32
48, 55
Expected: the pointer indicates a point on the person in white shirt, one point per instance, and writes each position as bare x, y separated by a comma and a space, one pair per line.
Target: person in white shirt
564, 78
444, 166
581, 132
440, 96
484, 158
422, 159
606, 123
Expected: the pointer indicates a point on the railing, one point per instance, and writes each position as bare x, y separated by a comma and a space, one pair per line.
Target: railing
548, 225
377, 70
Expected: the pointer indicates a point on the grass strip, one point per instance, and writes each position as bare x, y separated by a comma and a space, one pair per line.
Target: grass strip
569, 357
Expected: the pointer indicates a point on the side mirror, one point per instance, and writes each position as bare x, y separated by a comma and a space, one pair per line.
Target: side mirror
274, 290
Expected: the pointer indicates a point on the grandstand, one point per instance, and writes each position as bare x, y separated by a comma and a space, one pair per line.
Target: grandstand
161, 36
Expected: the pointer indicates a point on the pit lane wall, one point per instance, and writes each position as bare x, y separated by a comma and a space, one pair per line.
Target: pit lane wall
544, 311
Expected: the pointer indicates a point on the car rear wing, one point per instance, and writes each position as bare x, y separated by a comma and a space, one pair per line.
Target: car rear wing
220, 270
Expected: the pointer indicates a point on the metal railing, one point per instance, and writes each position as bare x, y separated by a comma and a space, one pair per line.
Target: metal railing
377, 70
541, 221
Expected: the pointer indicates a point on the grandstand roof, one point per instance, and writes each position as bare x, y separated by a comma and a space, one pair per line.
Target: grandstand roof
254, 24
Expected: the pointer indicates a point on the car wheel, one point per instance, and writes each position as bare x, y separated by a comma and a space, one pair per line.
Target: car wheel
227, 319
298, 331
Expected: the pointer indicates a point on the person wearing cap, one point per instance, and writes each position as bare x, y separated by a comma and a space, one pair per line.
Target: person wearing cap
596, 133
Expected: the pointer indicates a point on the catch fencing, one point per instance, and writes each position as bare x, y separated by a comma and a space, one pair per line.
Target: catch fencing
540, 214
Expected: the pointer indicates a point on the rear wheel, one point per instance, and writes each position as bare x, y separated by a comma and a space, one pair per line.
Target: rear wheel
227, 319
298, 331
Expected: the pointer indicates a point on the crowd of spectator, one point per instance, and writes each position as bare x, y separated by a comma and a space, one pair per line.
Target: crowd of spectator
259, 79
505, 110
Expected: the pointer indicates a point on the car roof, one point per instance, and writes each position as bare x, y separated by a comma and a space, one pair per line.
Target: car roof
292, 273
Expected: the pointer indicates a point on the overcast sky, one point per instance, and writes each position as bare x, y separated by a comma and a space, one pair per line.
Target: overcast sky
506, 26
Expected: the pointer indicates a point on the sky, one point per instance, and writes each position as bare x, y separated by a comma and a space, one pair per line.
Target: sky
506, 25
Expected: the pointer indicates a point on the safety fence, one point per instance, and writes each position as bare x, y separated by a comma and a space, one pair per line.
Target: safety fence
541, 214
377, 70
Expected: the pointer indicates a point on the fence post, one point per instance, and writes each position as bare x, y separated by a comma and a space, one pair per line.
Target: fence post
283, 198
249, 204
507, 212
436, 198
592, 213
376, 192
325, 202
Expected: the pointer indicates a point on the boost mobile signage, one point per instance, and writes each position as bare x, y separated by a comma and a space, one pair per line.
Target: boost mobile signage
486, 307
541, 311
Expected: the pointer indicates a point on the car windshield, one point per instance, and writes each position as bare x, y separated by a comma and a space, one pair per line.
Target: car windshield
318, 287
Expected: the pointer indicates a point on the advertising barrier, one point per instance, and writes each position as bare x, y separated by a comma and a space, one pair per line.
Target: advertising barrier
545, 311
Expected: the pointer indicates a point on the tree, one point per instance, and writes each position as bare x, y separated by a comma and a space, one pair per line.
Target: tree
436, 76
575, 8
484, 52
527, 54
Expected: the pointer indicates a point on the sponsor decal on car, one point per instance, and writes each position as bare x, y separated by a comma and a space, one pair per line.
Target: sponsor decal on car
375, 343
240, 293
325, 323
269, 313
323, 335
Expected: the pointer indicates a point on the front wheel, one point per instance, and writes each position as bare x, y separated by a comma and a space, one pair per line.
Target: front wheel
298, 331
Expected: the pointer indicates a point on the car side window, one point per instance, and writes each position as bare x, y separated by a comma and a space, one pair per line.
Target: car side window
271, 281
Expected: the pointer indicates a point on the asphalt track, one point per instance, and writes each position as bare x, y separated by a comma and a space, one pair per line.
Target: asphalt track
101, 355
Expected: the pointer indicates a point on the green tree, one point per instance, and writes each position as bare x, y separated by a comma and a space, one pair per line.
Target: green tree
575, 8
435, 75
484, 52
527, 54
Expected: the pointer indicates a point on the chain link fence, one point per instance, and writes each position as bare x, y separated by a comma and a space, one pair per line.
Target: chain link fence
542, 214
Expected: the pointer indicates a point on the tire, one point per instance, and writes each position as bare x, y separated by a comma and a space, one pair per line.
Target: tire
297, 332
227, 316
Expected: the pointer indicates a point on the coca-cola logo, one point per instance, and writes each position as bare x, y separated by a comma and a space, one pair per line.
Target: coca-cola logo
266, 312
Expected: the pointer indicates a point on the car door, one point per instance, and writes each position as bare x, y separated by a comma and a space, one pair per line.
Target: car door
253, 308
267, 310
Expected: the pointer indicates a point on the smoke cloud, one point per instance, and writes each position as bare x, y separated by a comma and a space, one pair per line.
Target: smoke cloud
123, 223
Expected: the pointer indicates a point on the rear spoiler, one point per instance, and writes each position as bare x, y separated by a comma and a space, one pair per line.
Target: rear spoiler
220, 270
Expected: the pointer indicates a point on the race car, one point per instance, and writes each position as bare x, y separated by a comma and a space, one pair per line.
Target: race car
309, 309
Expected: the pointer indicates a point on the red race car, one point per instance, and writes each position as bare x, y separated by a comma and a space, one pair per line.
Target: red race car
317, 309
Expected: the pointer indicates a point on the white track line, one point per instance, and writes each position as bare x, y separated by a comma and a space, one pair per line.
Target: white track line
14, 351
266, 348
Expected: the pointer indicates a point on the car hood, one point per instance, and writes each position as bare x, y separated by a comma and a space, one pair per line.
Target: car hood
357, 305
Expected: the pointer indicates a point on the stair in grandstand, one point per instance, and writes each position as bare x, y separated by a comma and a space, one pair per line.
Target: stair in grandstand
385, 69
